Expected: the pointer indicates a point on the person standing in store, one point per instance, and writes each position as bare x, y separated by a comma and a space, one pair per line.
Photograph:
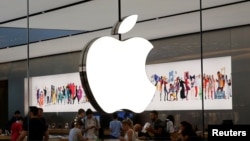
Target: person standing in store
91, 125
16, 128
41, 117
80, 114
13, 119
34, 129
115, 127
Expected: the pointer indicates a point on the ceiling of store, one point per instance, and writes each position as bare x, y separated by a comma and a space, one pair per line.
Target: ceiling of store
56, 19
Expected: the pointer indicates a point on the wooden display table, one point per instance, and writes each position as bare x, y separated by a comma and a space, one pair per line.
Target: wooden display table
51, 138
5, 137
58, 131
107, 132
58, 138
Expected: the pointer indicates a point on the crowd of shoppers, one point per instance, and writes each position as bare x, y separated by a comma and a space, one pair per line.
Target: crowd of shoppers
86, 126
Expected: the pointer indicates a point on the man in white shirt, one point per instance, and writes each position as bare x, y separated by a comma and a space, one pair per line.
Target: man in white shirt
92, 125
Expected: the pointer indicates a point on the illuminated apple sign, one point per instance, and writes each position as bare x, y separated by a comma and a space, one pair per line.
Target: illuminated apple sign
113, 71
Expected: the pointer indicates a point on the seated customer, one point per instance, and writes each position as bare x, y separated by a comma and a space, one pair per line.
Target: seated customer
129, 134
156, 127
75, 134
187, 133
139, 134
170, 127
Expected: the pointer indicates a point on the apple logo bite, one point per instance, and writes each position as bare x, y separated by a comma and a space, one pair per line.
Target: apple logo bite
113, 72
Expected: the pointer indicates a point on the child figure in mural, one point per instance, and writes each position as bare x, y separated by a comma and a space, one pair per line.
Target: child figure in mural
205, 85
72, 88
182, 89
41, 99
172, 92
220, 81
79, 93
53, 94
187, 83
220, 93
209, 88
177, 87
192, 86
165, 82
64, 95
229, 87
37, 95
158, 83
212, 86
60, 95
68, 95
197, 87
159, 86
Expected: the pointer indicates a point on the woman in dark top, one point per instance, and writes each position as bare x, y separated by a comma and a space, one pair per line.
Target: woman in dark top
187, 133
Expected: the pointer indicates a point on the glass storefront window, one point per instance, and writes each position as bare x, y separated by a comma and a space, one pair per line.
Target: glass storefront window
202, 44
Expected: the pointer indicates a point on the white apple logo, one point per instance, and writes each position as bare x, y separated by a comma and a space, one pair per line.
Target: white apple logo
113, 72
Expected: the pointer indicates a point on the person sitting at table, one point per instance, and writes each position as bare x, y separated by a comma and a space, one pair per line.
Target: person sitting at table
186, 133
156, 127
139, 134
80, 114
75, 134
129, 133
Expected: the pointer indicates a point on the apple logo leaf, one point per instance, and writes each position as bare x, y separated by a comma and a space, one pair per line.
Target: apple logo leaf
125, 25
